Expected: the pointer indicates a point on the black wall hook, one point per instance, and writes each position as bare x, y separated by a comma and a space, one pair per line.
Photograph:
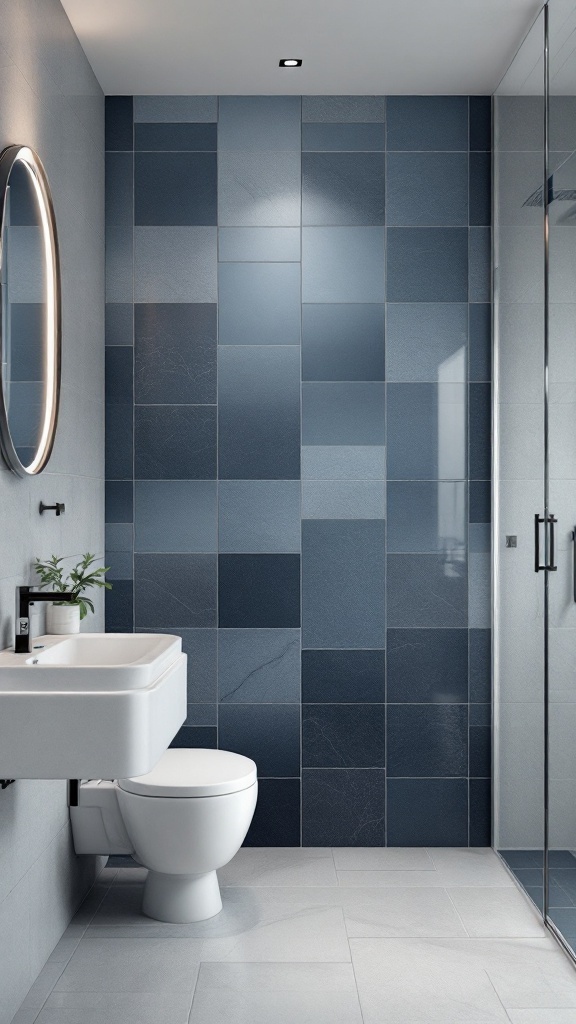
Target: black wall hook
4, 783
59, 508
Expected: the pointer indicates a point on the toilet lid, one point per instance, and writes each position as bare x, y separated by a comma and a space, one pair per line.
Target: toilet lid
194, 772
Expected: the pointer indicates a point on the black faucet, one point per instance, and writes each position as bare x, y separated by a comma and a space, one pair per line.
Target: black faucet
25, 596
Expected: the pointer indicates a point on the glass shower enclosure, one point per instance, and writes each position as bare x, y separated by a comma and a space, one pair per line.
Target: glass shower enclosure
534, 476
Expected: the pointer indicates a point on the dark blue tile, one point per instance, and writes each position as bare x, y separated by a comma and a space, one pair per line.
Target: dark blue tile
325, 137
259, 666
426, 516
427, 122
536, 894
523, 859
480, 444
343, 594
426, 590
175, 442
529, 877
119, 373
426, 431
343, 342
26, 350
343, 414
428, 666
480, 715
428, 812
175, 590
259, 304
175, 109
343, 736
259, 413
423, 338
119, 428
343, 264
119, 190
119, 323
276, 819
267, 733
427, 740
196, 736
175, 137
480, 123
479, 264
333, 677
427, 264
119, 607
175, 191
175, 353
343, 807
565, 920
264, 245
561, 860
176, 515
427, 188
119, 122
480, 797
259, 590
201, 715
119, 263
480, 341
201, 647
480, 188
343, 188
119, 501
480, 501
480, 752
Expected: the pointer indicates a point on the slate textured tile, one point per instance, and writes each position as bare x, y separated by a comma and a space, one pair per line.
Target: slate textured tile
175, 108
259, 666
176, 515
119, 322
343, 599
259, 591
343, 736
479, 257
427, 189
427, 666
479, 502
119, 189
343, 264
479, 583
120, 607
427, 812
426, 590
175, 264
426, 431
276, 820
480, 751
175, 442
259, 304
258, 189
333, 137
175, 353
344, 109
479, 537
259, 123
480, 665
480, 341
429, 264
426, 339
179, 190
343, 807
343, 188
267, 733
118, 536
343, 677
343, 462
119, 118
201, 715
260, 245
343, 413
480, 431
119, 416
196, 736
259, 413
201, 647
259, 516
427, 122
179, 138
119, 502
343, 499
427, 740
480, 188
119, 259
120, 565
480, 137
426, 516
480, 803
175, 590
343, 342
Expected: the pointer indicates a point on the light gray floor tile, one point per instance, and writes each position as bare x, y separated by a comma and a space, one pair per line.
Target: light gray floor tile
282, 934
116, 1008
496, 912
285, 994
405, 912
280, 866
542, 1016
127, 876
535, 985
24, 1016
373, 858
103, 964
474, 866
65, 948
43, 986
402, 879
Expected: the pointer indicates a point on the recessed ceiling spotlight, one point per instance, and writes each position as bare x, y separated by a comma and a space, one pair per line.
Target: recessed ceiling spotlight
290, 62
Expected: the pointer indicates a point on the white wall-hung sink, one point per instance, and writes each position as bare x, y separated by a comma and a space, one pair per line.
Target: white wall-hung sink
90, 705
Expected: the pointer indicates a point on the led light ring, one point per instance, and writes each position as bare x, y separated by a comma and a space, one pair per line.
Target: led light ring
53, 324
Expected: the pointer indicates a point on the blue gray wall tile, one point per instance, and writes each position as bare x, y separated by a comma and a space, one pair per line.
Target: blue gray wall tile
175, 516
259, 590
344, 677
426, 516
259, 666
426, 432
327, 137
178, 190
343, 462
430, 264
346, 109
175, 138
427, 741
343, 735
427, 189
343, 188
427, 666
259, 516
442, 818
342, 264
342, 342
175, 442
427, 590
268, 733
174, 590
175, 264
175, 353
343, 807
343, 499
425, 340
260, 245
259, 304
343, 413
421, 123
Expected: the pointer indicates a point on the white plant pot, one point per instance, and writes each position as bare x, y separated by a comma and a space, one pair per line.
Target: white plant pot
62, 618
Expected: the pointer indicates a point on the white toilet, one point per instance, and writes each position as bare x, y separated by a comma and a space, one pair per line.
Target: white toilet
182, 820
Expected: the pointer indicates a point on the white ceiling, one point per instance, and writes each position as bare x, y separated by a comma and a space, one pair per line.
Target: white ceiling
371, 47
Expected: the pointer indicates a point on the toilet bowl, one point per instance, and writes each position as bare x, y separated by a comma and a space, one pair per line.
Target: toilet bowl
183, 820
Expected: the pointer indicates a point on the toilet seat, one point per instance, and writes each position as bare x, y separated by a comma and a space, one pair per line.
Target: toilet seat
194, 773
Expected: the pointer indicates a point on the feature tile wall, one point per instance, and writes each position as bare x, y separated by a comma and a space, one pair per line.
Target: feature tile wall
298, 445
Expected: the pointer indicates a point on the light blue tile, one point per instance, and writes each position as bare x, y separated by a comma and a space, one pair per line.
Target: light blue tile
259, 516
175, 264
260, 189
427, 264
259, 666
176, 516
259, 123
259, 304
343, 499
427, 122
479, 590
426, 341
480, 537
343, 264
426, 431
427, 188
331, 138
346, 462
343, 108
174, 109
427, 516
479, 281
267, 245
343, 413
119, 537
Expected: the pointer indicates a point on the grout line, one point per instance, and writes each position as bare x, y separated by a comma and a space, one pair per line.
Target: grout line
455, 908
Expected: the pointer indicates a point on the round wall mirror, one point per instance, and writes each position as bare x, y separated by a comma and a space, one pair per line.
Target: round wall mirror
30, 312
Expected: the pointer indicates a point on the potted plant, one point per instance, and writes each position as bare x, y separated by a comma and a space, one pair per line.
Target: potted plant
65, 616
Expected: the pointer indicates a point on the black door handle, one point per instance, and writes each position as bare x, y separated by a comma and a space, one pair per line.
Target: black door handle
550, 521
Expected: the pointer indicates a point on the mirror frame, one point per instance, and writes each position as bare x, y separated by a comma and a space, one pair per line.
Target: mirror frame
52, 341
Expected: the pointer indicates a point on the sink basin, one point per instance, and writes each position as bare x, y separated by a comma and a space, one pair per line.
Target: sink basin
90, 705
